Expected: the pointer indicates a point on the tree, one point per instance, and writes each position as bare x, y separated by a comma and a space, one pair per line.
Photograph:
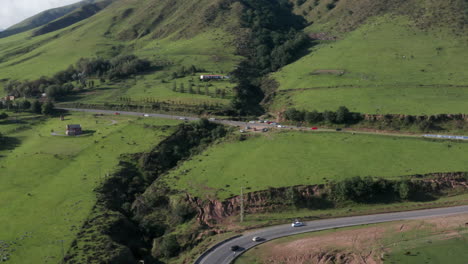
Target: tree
48, 108
342, 115
294, 115
36, 107
404, 190
329, 116
313, 117
26, 105
169, 246
190, 87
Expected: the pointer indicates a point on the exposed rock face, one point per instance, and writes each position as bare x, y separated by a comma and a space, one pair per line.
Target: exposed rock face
312, 196
212, 211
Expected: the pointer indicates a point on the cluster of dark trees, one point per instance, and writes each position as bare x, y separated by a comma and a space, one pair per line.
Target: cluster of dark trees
119, 67
197, 89
370, 190
275, 41
77, 76
184, 71
36, 107
340, 116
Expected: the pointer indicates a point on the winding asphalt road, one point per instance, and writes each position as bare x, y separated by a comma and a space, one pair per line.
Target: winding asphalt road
222, 253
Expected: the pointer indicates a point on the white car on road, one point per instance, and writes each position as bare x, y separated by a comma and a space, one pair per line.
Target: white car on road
256, 239
297, 224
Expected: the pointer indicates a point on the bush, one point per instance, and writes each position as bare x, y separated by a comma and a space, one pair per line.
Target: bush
48, 108
170, 246
36, 107
3, 116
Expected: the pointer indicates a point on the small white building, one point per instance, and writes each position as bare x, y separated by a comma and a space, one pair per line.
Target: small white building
213, 77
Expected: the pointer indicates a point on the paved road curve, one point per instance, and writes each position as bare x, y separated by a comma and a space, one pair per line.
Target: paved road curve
222, 254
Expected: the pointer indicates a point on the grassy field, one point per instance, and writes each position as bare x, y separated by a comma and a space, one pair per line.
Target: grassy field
435, 240
47, 182
385, 62
296, 158
379, 100
156, 87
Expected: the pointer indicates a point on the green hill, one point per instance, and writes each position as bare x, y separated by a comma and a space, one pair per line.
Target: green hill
170, 34
380, 57
371, 56
43, 18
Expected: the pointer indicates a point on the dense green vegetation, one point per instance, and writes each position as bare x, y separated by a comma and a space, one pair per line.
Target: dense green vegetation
273, 42
48, 180
305, 158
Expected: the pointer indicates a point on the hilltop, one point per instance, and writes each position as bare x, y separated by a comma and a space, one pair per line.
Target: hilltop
42, 18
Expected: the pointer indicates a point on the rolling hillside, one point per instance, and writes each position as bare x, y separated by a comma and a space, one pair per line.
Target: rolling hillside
373, 56
42, 18
380, 57
199, 33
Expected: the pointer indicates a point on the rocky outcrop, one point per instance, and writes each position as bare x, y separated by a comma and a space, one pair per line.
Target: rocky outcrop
213, 211
210, 212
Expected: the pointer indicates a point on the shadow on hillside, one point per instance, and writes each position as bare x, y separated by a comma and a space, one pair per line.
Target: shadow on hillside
88, 132
12, 121
304, 51
314, 203
9, 143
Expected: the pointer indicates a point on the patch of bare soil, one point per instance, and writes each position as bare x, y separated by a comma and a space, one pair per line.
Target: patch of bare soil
363, 245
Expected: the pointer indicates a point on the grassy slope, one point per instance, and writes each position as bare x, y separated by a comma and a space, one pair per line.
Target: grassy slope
60, 174
150, 86
295, 158
189, 40
386, 59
